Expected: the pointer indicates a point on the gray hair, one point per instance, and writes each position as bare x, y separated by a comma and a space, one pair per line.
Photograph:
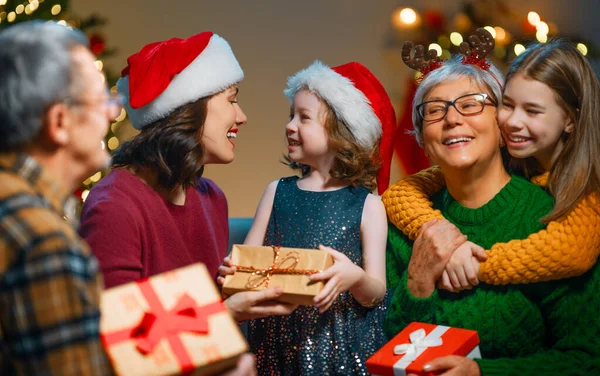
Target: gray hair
36, 71
453, 69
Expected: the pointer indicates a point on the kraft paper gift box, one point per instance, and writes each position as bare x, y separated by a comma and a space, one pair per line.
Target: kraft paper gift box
289, 268
419, 344
173, 323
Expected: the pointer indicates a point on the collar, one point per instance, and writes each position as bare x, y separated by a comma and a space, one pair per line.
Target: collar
41, 181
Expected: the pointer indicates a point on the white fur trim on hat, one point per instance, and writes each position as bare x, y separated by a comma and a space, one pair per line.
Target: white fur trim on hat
215, 69
349, 103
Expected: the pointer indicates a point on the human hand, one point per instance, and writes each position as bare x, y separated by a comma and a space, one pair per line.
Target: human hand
340, 277
250, 305
431, 251
462, 268
452, 366
245, 367
224, 270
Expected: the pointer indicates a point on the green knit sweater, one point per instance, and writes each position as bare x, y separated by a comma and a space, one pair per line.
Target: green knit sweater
537, 329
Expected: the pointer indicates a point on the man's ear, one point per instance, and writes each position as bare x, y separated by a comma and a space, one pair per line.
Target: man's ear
57, 123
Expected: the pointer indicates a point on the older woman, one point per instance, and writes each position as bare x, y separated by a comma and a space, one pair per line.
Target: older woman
544, 328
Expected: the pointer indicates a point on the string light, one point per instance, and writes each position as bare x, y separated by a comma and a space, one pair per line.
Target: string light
541, 37
533, 18
501, 35
121, 116
456, 38
19, 9
404, 18
519, 49
113, 143
11, 16
491, 30
437, 47
2, 2
99, 64
96, 177
56, 9
84, 194
582, 48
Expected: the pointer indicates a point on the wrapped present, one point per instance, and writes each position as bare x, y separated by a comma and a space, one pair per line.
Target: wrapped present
173, 323
419, 344
289, 268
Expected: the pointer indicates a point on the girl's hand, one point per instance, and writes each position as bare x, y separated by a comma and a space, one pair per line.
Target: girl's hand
452, 366
431, 251
462, 268
225, 269
340, 277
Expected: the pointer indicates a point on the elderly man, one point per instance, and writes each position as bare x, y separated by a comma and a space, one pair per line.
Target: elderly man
54, 113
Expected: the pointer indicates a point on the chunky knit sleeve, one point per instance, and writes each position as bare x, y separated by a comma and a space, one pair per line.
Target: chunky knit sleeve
567, 248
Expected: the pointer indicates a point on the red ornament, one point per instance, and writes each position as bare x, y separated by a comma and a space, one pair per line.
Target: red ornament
97, 44
434, 20
78, 192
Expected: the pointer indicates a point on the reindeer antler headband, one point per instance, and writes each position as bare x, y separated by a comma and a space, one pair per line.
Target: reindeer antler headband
474, 53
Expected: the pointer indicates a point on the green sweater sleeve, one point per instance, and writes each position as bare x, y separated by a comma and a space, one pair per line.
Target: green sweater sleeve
404, 307
571, 310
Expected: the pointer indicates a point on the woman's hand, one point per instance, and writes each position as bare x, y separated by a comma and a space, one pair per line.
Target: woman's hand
340, 277
250, 305
452, 366
462, 268
225, 269
431, 251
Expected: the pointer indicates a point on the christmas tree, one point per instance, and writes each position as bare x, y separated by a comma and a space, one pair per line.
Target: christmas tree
15, 11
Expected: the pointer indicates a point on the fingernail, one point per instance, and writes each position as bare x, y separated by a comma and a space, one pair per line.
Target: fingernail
427, 367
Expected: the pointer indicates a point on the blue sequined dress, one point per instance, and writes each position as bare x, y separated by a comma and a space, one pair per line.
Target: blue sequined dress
338, 341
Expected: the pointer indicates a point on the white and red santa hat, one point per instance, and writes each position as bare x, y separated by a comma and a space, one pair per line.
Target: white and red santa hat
166, 75
359, 101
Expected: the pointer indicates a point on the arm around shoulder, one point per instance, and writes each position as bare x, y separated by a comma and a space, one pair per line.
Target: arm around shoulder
256, 235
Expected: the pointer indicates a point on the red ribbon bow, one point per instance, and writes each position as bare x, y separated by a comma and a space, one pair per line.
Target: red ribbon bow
159, 324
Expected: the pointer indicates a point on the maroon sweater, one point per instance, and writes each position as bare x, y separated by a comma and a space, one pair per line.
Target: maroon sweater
135, 233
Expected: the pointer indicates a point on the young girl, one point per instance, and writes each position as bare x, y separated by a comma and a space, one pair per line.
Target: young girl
336, 123
549, 119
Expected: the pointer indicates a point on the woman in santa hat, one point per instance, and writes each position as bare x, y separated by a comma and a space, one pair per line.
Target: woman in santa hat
155, 212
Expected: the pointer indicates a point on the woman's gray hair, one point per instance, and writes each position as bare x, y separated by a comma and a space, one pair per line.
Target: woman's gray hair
453, 69
36, 71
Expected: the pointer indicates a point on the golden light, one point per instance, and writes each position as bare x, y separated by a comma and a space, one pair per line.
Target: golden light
102, 145
28, 9
113, 89
491, 30
84, 195
96, 177
87, 181
446, 54
456, 38
501, 36
582, 48
541, 37
11, 16
99, 64
542, 27
121, 116
519, 49
405, 18
533, 18
2, 2
113, 143
20, 8
437, 47
56, 9
62, 22
2, 15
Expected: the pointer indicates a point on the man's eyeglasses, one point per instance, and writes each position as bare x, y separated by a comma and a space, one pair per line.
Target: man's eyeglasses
467, 105
113, 104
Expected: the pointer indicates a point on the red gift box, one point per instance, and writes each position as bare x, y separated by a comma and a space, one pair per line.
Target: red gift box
419, 344
170, 324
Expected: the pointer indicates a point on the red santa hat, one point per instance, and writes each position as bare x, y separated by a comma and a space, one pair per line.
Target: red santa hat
359, 100
164, 76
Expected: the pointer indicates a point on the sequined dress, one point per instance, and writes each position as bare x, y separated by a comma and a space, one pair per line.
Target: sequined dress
338, 341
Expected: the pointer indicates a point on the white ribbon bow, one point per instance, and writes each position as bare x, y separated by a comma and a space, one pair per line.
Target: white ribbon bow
418, 342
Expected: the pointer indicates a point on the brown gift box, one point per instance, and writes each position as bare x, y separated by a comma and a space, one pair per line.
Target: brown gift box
286, 273
172, 323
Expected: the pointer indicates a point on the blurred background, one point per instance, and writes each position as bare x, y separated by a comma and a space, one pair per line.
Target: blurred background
273, 39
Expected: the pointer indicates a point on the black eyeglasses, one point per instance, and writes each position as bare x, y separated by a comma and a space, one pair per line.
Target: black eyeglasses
467, 105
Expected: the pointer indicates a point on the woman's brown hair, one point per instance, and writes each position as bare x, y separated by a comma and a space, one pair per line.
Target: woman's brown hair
353, 164
169, 147
575, 172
